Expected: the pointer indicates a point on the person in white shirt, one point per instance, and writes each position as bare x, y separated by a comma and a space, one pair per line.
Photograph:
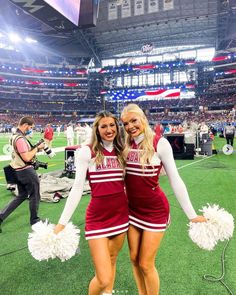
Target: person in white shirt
88, 133
203, 130
80, 134
70, 135
13, 130
58, 130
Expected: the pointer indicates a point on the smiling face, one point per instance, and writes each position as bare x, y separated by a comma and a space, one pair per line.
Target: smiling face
133, 124
107, 128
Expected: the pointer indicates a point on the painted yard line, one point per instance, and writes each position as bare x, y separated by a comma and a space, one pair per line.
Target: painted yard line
208, 157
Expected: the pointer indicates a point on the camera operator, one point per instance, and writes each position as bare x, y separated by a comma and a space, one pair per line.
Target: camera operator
23, 156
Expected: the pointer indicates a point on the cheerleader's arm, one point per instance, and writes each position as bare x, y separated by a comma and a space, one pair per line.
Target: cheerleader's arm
165, 154
83, 156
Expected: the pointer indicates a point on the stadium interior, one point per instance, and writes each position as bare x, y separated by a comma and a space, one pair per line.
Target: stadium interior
176, 59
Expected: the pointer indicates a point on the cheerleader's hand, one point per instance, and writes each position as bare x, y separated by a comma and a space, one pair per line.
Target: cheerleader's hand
59, 227
199, 218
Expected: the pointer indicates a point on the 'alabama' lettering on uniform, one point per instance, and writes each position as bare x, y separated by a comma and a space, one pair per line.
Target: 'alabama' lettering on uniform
107, 213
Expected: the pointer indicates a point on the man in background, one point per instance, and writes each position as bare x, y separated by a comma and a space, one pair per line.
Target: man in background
80, 134
23, 156
58, 130
203, 131
229, 133
70, 135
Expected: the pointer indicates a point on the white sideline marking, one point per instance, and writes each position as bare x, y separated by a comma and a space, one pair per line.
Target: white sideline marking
208, 157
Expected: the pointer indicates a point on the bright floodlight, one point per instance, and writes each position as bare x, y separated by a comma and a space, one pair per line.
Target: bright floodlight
30, 40
14, 37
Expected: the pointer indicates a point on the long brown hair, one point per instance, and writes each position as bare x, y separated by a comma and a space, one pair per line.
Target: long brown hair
97, 141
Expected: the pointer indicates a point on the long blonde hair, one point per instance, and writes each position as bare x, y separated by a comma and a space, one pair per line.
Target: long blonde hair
96, 140
146, 146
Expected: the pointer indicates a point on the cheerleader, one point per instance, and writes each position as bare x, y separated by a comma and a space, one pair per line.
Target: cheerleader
107, 213
145, 155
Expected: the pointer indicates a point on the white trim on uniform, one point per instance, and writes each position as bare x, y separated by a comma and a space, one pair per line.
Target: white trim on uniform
106, 175
145, 165
141, 174
106, 229
147, 228
141, 169
147, 223
103, 170
107, 235
107, 179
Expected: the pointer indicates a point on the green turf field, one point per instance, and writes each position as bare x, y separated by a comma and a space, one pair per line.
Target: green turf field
181, 263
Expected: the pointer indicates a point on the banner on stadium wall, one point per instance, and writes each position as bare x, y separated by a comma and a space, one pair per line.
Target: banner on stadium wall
143, 95
112, 10
230, 72
162, 93
153, 6
138, 7
168, 4
29, 82
32, 70
126, 9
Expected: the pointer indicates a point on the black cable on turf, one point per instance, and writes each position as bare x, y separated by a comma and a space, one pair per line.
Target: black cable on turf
12, 252
208, 277
214, 279
25, 247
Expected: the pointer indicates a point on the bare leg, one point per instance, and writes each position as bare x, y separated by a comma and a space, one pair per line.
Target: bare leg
115, 244
104, 252
134, 239
148, 251
103, 270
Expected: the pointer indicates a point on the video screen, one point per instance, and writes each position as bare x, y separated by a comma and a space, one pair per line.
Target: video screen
176, 142
68, 8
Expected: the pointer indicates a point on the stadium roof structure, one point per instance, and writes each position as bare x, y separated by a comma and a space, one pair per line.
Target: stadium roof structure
125, 26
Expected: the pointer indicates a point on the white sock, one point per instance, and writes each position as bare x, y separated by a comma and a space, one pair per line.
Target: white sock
106, 293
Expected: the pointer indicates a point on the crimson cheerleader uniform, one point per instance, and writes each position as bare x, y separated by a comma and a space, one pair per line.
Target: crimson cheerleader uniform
107, 213
148, 205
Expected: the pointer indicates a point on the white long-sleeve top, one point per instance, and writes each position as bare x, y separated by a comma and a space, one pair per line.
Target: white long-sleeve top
82, 160
165, 154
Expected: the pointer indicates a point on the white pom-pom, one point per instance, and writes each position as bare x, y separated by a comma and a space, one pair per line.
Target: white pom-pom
203, 234
223, 221
67, 242
219, 226
41, 241
44, 244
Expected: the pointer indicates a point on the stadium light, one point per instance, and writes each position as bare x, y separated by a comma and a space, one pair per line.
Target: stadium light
14, 37
30, 40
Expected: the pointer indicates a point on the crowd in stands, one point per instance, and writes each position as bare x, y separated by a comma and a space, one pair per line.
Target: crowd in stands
44, 106
57, 102
9, 119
